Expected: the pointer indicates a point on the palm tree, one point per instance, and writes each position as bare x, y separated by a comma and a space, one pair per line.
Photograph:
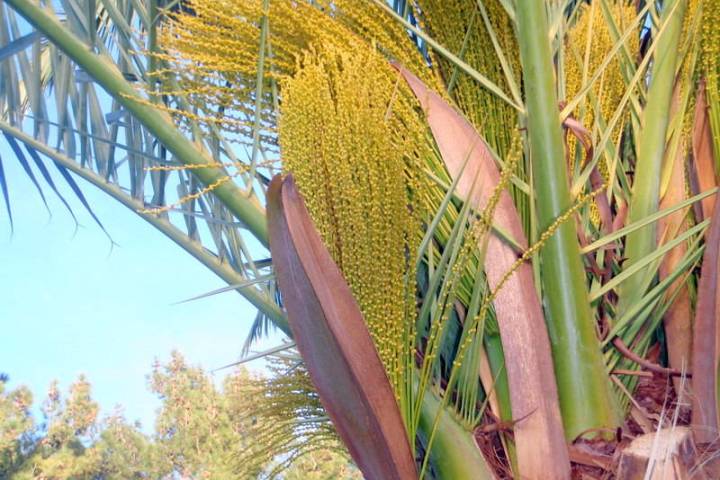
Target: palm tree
451, 164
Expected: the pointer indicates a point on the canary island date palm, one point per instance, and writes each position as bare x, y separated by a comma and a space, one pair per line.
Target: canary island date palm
483, 211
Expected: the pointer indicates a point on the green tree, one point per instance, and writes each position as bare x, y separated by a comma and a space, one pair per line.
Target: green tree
125, 452
197, 435
72, 443
322, 465
16, 427
201, 432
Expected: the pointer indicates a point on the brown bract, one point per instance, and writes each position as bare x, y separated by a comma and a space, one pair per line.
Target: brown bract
706, 340
334, 342
703, 152
677, 318
541, 449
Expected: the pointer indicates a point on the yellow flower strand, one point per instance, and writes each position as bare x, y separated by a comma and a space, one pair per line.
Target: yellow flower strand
187, 198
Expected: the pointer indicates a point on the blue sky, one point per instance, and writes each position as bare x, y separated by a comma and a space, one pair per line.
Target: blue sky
71, 305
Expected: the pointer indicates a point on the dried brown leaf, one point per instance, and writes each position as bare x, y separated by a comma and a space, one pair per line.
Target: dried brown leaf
703, 159
706, 341
677, 319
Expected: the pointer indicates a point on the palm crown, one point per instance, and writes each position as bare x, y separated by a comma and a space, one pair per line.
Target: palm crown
486, 211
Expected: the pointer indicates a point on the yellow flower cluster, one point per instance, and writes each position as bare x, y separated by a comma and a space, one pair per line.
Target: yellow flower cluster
710, 45
592, 29
186, 198
689, 88
240, 168
213, 51
459, 26
343, 122
351, 135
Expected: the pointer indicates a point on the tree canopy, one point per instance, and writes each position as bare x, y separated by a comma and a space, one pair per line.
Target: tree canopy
202, 431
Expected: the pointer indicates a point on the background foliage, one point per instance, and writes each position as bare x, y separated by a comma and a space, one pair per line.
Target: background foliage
201, 431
